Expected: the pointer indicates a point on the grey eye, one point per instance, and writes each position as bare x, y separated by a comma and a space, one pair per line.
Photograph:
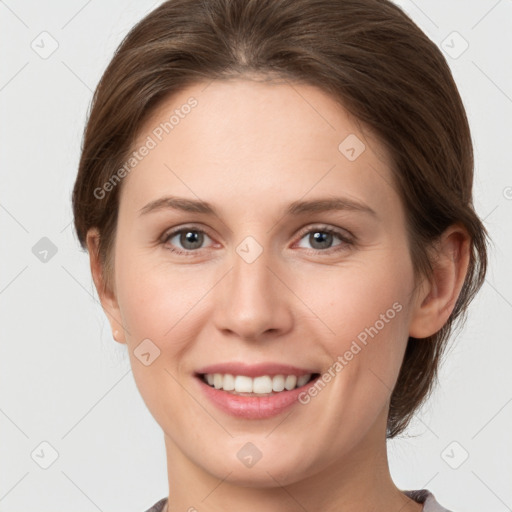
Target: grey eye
319, 239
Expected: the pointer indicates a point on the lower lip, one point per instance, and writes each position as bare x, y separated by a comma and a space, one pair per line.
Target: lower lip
253, 407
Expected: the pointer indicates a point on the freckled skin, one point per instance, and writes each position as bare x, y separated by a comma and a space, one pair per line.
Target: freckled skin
249, 149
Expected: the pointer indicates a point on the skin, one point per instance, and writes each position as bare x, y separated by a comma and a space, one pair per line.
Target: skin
250, 149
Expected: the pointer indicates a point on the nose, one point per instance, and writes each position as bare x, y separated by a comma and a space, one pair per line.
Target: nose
252, 302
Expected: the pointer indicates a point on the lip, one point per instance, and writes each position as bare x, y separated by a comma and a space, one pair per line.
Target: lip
255, 370
253, 407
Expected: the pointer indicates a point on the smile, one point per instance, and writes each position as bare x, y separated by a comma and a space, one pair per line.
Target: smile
254, 391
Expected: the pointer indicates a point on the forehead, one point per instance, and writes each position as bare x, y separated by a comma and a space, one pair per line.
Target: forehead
269, 138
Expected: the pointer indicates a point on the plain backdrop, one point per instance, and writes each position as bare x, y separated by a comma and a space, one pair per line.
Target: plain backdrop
67, 396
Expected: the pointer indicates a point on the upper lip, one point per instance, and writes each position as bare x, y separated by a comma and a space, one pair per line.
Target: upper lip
254, 370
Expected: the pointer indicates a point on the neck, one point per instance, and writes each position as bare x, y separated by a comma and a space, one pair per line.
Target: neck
359, 481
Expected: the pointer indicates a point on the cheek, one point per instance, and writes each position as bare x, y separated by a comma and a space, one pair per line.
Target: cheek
365, 311
158, 307
367, 308
353, 299
154, 300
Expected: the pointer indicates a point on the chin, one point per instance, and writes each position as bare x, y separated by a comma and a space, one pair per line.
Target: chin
271, 469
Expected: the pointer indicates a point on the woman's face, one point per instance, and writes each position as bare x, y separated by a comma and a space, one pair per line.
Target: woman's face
258, 237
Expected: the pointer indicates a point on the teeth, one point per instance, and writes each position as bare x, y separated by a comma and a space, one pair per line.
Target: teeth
290, 382
228, 384
217, 381
242, 384
260, 385
278, 383
302, 380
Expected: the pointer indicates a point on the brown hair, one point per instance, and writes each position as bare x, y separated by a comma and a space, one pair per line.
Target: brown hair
368, 55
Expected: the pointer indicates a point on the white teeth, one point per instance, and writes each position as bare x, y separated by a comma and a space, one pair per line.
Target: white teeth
264, 384
290, 382
243, 384
229, 383
278, 383
217, 381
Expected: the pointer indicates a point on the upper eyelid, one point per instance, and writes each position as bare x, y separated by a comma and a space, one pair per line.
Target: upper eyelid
168, 233
326, 227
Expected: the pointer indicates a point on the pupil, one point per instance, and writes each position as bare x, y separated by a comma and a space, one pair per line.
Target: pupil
193, 238
324, 239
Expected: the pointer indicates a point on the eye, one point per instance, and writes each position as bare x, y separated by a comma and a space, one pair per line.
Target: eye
324, 238
189, 239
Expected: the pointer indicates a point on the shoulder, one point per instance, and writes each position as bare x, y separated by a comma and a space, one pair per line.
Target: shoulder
158, 506
430, 503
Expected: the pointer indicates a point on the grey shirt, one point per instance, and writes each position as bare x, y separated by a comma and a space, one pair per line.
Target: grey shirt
422, 496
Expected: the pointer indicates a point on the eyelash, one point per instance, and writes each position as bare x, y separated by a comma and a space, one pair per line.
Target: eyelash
346, 240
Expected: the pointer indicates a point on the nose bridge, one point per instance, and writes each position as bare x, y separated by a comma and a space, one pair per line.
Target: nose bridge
253, 300
251, 275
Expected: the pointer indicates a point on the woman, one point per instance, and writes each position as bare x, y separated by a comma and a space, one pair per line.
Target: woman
276, 197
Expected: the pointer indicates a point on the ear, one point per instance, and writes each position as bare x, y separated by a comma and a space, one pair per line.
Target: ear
437, 298
105, 293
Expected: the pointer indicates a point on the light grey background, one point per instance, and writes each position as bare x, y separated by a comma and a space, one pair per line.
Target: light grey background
64, 381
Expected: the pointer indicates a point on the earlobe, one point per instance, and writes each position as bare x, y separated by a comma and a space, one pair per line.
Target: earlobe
105, 293
438, 297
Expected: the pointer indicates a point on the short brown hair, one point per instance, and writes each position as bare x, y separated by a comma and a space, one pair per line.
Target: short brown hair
366, 54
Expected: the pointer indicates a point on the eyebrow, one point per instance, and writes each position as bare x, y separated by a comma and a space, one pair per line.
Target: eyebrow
294, 208
328, 204
178, 203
